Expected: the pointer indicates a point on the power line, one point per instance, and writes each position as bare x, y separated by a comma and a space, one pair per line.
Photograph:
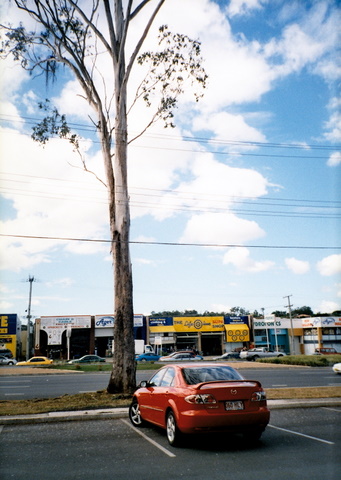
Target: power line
223, 142
174, 244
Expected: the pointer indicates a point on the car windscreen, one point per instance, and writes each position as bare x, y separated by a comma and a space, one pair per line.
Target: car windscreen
193, 376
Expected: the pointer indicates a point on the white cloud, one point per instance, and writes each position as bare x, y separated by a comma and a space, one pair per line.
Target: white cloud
242, 7
241, 260
330, 265
298, 267
226, 125
5, 306
51, 199
220, 307
334, 159
220, 229
328, 306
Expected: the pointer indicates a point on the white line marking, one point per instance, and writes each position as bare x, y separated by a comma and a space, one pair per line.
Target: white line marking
302, 435
279, 385
8, 394
332, 409
157, 445
16, 386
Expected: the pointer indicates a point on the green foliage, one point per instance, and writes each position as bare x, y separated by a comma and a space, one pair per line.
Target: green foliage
170, 69
53, 125
304, 360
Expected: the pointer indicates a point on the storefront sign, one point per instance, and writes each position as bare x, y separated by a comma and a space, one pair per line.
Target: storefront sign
55, 326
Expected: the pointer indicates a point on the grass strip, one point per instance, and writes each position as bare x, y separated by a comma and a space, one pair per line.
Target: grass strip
102, 399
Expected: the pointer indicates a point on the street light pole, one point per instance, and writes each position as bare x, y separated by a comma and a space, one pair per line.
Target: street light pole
292, 345
31, 280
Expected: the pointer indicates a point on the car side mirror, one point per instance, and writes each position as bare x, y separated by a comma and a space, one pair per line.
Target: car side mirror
143, 384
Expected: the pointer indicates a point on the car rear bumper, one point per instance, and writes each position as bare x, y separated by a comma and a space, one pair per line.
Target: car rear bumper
195, 421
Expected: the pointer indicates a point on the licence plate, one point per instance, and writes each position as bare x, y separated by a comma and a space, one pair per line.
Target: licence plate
235, 405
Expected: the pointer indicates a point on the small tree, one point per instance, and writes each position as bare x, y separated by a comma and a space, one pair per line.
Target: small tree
69, 34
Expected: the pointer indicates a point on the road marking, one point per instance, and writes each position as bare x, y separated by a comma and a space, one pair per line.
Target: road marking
332, 409
8, 394
15, 386
157, 445
302, 435
280, 385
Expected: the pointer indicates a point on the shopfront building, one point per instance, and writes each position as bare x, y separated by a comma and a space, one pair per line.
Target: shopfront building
208, 335
10, 331
319, 332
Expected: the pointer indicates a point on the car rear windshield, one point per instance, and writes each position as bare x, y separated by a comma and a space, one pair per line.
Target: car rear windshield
193, 376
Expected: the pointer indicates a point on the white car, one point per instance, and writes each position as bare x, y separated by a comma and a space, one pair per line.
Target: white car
7, 361
337, 368
180, 357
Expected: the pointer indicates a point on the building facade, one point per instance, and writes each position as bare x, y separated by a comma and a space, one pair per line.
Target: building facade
10, 334
210, 335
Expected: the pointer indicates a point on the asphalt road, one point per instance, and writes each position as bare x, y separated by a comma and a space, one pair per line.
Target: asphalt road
17, 387
298, 444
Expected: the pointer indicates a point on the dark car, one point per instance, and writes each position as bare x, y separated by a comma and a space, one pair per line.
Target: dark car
147, 357
88, 359
6, 352
200, 398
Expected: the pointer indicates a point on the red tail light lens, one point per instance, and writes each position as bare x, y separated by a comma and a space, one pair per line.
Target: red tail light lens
201, 399
258, 396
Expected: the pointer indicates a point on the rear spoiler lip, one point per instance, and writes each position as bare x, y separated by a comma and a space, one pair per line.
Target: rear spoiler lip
229, 381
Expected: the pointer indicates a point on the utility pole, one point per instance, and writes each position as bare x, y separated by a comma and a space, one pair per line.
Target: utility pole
31, 280
292, 344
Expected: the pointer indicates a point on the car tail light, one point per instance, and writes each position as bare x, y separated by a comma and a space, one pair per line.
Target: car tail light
201, 399
258, 396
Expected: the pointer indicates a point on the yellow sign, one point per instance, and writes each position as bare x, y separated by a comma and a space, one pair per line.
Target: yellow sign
237, 333
198, 324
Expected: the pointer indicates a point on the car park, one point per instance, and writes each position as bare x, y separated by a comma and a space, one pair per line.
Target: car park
147, 357
260, 352
7, 361
181, 357
337, 368
200, 398
87, 359
36, 361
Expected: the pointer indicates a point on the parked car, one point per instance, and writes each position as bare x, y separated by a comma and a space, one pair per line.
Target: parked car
200, 398
88, 359
36, 361
325, 351
228, 355
259, 352
180, 357
6, 352
7, 361
147, 357
337, 368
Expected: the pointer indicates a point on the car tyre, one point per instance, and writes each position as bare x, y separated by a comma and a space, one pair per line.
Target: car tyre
174, 435
10, 363
254, 358
135, 414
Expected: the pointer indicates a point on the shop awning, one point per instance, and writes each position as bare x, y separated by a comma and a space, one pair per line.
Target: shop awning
237, 333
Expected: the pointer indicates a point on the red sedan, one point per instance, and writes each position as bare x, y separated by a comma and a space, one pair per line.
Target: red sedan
198, 398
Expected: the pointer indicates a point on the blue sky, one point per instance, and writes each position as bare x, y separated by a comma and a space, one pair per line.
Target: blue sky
253, 170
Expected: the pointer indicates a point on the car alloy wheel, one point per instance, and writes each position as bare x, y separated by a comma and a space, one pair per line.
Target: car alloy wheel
173, 433
135, 415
